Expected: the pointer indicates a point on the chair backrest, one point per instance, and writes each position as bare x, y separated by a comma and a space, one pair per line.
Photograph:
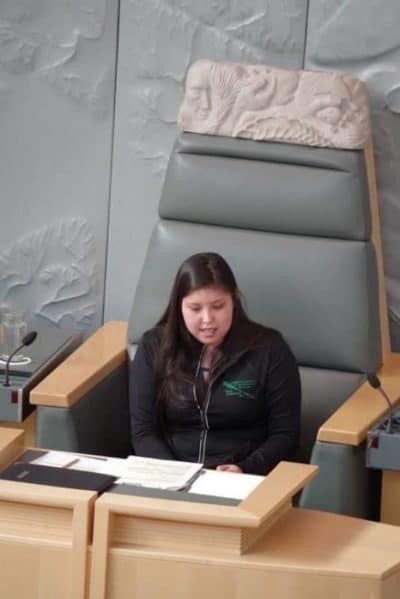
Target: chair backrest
294, 222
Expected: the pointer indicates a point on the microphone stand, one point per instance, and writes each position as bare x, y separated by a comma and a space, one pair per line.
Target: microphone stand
376, 384
27, 340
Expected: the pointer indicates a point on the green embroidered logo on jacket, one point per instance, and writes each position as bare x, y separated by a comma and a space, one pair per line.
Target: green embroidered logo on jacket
240, 388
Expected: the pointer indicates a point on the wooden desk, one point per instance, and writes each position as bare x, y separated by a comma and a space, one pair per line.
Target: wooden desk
154, 548
44, 534
150, 548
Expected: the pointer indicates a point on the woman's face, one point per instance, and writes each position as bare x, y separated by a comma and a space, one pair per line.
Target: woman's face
207, 314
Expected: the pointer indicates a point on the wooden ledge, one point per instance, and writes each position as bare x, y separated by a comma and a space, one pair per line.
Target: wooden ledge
277, 488
87, 366
46, 495
11, 445
350, 423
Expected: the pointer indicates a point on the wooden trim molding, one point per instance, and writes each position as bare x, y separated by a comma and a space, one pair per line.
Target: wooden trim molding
87, 366
351, 422
376, 239
11, 445
48, 517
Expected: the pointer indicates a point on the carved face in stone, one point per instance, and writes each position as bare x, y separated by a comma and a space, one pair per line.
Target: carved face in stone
198, 101
199, 92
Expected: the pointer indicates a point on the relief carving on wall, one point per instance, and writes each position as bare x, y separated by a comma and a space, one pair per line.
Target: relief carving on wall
62, 57
51, 273
260, 102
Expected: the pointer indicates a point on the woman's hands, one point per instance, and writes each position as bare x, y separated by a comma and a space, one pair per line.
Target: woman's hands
229, 468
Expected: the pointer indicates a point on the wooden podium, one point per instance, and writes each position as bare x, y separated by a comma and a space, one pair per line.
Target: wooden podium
44, 534
152, 548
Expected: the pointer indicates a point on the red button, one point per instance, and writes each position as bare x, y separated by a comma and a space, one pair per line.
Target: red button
375, 442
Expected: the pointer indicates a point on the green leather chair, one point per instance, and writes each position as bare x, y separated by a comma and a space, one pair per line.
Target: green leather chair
296, 225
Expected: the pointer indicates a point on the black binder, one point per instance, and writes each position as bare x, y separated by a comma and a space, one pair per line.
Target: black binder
58, 477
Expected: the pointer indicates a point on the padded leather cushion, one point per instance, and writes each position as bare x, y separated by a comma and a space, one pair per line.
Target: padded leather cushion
275, 187
321, 293
343, 485
98, 423
323, 391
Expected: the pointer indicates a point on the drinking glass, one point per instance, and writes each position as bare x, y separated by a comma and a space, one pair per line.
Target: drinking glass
14, 327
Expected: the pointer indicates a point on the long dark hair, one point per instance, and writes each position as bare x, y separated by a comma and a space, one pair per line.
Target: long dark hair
178, 349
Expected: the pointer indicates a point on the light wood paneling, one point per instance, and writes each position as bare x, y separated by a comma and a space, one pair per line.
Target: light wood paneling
95, 359
390, 497
278, 487
44, 534
195, 528
351, 422
27, 427
180, 578
11, 445
49, 528
376, 238
304, 555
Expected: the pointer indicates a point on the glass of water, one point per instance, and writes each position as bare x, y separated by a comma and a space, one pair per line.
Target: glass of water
14, 327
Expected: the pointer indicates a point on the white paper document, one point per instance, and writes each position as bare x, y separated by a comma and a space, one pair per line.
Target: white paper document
60, 459
225, 484
76, 461
160, 474
103, 465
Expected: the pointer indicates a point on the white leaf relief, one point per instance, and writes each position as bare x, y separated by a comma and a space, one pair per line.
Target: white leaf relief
52, 273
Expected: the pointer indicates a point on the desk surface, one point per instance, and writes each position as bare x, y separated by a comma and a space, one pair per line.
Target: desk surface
154, 547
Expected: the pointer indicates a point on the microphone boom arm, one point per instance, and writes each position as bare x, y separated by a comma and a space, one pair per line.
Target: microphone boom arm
376, 384
27, 340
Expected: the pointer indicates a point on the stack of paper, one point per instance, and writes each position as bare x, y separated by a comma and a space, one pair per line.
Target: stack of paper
161, 474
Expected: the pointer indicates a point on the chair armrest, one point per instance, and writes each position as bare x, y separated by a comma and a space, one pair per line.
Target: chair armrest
87, 366
350, 423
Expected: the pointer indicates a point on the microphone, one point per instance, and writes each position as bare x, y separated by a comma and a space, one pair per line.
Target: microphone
27, 340
376, 384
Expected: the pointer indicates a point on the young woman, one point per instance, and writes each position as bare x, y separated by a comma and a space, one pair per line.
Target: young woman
209, 385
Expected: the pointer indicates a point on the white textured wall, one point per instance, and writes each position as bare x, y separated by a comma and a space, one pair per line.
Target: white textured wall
158, 41
56, 112
56, 128
362, 37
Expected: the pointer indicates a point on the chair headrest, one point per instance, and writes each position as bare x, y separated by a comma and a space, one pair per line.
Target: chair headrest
314, 108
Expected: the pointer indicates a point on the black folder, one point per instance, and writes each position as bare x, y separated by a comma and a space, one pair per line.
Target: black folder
58, 477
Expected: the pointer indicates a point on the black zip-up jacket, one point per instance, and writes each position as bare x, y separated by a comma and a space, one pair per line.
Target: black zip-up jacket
248, 414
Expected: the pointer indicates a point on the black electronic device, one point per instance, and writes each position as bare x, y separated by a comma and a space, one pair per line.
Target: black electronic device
383, 441
27, 472
18, 378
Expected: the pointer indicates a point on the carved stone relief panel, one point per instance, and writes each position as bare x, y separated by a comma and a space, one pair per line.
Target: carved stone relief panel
41, 39
52, 275
315, 108
57, 63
